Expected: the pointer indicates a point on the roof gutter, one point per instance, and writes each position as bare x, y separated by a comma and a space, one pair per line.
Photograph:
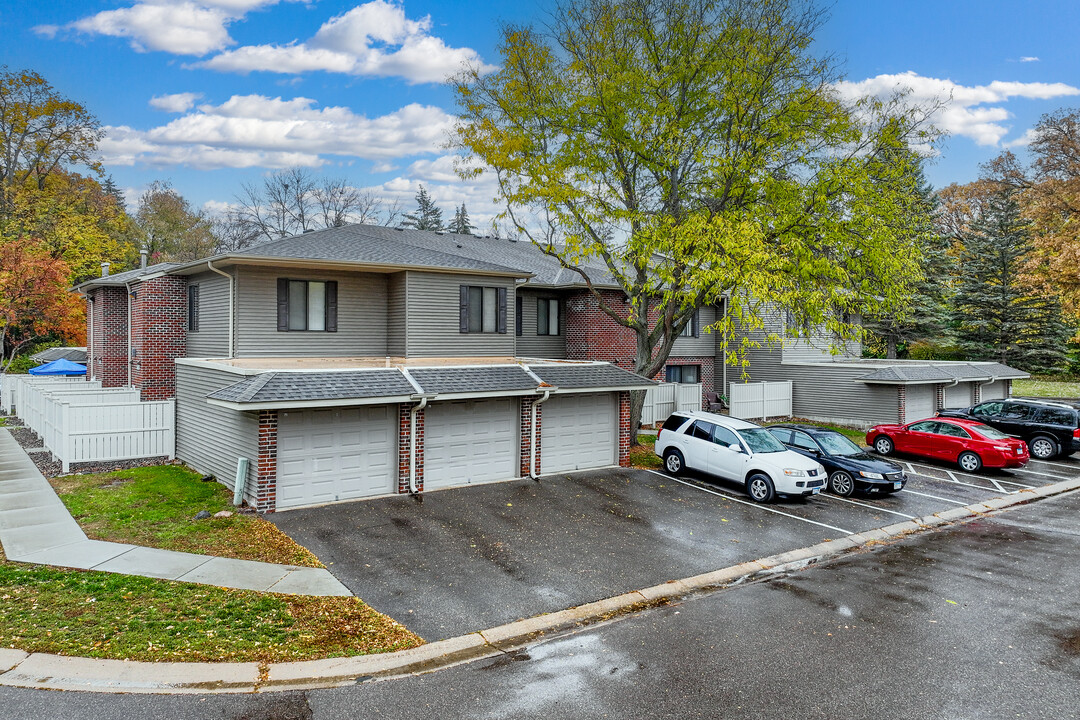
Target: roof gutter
232, 300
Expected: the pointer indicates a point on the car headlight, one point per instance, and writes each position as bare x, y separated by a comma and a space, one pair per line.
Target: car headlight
821, 469
872, 476
792, 472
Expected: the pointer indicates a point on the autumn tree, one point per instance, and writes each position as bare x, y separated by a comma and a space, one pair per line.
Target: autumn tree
34, 301
698, 149
428, 215
41, 131
169, 229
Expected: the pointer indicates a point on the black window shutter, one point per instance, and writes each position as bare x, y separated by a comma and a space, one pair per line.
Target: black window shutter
502, 311
331, 306
518, 316
695, 329
463, 310
283, 304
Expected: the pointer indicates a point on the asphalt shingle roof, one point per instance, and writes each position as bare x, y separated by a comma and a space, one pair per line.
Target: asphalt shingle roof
586, 376
128, 275
904, 373
473, 379
293, 386
74, 354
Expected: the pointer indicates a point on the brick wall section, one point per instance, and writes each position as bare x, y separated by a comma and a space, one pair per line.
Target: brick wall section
266, 469
939, 396
626, 437
109, 313
159, 334
708, 369
404, 430
901, 403
1008, 388
526, 435
976, 394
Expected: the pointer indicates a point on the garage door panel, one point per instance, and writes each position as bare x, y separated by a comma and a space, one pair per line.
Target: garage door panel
578, 432
919, 402
335, 454
470, 441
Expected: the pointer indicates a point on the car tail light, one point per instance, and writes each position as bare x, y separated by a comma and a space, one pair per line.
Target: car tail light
1076, 434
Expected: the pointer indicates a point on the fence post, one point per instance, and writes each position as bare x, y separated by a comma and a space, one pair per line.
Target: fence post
67, 439
763, 401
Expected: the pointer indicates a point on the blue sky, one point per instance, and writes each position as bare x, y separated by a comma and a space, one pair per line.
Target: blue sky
210, 94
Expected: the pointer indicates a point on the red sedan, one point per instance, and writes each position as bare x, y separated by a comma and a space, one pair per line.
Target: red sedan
967, 443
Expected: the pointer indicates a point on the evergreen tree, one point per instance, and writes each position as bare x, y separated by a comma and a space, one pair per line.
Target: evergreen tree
461, 224
112, 189
926, 315
996, 311
428, 215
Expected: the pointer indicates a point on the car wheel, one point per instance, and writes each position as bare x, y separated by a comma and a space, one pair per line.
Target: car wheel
1042, 448
841, 483
760, 488
969, 462
673, 462
884, 445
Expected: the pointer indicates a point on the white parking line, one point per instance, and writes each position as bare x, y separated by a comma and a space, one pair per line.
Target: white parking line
952, 478
750, 503
1049, 475
935, 497
867, 505
1068, 466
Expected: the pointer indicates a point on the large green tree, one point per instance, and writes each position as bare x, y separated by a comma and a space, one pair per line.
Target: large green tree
428, 215
169, 228
698, 149
999, 315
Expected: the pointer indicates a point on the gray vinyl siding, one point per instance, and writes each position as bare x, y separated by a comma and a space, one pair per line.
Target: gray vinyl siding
397, 316
212, 338
434, 322
705, 343
361, 327
211, 438
530, 344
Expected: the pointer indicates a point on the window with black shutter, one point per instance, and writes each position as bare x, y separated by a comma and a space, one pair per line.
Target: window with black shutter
482, 309
193, 308
307, 305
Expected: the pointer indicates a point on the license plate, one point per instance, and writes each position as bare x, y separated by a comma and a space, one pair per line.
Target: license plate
896, 485
1019, 451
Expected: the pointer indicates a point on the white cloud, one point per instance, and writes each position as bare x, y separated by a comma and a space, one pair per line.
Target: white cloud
374, 39
217, 208
446, 189
181, 27
258, 131
1029, 58
175, 103
974, 112
1024, 140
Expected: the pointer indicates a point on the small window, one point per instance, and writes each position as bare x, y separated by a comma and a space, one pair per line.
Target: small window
1017, 411
926, 426
702, 430
307, 305
547, 316
193, 308
723, 436
1057, 416
483, 309
692, 329
988, 409
683, 374
803, 441
781, 434
674, 422
952, 430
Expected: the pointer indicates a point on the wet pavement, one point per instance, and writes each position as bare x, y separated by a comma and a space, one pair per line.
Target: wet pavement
470, 558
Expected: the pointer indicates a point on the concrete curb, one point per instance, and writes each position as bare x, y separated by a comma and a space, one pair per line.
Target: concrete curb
55, 672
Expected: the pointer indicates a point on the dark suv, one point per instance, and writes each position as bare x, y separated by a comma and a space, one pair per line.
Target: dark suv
1049, 428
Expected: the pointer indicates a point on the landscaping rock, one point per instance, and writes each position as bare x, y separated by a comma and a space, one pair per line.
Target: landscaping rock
208, 478
223, 514
202, 515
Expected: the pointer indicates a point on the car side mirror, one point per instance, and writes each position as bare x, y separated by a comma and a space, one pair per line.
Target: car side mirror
736, 447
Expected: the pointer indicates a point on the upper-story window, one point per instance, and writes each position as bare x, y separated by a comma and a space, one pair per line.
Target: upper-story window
193, 308
307, 305
547, 316
482, 309
692, 329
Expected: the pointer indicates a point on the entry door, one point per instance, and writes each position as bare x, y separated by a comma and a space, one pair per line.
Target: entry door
470, 441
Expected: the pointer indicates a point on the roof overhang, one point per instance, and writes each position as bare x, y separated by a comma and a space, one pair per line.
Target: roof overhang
341, 265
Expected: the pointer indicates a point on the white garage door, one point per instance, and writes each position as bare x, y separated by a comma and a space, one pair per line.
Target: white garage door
578, 432
336, 454
470, 441
958, 396
919, 402
994, 390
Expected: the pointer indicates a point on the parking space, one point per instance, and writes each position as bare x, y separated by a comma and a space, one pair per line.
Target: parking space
460, 560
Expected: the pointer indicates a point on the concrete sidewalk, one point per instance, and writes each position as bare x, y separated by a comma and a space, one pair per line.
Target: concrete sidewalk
35, 527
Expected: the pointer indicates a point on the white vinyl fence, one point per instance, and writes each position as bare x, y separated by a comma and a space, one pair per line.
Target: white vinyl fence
88, 423
760, 400
666, 398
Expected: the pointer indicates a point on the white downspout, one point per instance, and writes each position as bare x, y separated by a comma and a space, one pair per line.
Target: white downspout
532, 441
412, 443
90, 340
130, 358
232, 295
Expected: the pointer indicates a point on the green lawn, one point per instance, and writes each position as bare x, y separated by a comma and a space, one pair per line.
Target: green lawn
1039, 387
642, 455
156, 507
96, 614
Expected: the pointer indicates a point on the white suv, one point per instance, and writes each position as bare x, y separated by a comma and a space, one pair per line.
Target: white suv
737, 450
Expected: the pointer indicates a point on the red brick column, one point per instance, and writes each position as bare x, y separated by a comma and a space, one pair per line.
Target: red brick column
626, 435
901, 403
266, 470
939, 396
404, 432
1008, 388
527, 404
110, 336
976, 394
159, 334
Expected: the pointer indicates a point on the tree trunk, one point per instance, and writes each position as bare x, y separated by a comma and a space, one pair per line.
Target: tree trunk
890, 347
637, 402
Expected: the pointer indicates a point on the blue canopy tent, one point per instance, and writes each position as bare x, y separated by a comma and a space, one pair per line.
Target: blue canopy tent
59, 367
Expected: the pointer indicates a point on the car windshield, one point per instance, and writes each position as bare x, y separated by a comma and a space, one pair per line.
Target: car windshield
837, 444
988, 432
761, 440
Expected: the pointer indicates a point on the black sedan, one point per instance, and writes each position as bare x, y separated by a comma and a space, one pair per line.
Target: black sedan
850, 467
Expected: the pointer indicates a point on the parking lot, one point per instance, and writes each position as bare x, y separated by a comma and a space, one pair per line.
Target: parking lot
461, 560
